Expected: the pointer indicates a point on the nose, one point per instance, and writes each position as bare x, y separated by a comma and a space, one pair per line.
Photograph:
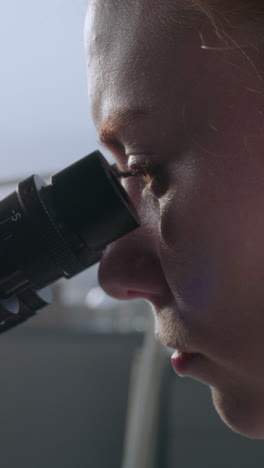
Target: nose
131, 268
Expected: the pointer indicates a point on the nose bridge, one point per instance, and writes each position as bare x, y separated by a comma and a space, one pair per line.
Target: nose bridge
146, 236
131, 263
135, 246
143, 238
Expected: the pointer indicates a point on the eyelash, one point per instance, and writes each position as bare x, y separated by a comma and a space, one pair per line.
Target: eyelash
146, 170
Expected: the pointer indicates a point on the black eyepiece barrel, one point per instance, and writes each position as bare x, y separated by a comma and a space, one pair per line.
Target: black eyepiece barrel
92, 201
49, 231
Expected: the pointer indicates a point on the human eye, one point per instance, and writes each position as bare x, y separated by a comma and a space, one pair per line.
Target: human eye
149, 172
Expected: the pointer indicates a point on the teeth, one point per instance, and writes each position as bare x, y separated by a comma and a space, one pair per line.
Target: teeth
176, 354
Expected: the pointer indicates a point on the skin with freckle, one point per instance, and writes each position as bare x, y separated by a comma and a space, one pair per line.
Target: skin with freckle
198, 257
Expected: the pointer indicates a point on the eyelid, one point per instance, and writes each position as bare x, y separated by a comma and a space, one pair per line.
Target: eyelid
150, 171
146, 167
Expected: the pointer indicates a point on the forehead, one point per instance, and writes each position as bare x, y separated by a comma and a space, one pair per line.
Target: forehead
131, 46
137, 58
134, 17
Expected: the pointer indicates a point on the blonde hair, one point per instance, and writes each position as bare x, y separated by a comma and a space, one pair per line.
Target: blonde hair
224, 17
231, 12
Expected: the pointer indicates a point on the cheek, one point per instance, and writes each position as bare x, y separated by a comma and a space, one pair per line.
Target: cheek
211, 251
186, 262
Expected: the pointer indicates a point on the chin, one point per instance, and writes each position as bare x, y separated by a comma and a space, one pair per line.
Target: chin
242, 414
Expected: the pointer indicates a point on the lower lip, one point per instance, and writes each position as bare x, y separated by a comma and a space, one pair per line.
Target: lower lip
182, 362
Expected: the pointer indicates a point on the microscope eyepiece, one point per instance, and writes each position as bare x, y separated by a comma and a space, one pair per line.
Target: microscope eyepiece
50, 231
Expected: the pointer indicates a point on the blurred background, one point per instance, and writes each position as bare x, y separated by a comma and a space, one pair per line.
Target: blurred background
84, 384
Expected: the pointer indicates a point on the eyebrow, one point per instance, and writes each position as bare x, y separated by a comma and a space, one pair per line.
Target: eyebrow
118, 119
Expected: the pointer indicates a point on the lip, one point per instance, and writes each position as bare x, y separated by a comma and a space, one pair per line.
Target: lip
183, 362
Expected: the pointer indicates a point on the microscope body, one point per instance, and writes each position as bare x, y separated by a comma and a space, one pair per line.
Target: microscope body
50, 231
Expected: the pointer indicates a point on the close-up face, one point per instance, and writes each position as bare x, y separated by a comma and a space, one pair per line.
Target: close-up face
174, 95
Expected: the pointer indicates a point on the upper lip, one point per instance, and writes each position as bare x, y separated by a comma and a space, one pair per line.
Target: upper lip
180, 348
178, 345
158, 303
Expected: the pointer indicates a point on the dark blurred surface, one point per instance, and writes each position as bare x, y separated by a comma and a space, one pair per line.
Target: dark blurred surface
63, 404
63, 397
192, 435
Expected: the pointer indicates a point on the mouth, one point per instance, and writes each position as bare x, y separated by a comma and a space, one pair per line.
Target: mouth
183, 362
172, 332
183, 358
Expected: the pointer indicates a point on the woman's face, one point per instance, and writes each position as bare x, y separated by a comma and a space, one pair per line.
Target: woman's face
198, 257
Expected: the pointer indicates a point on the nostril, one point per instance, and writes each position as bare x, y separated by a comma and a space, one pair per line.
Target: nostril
133, 295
